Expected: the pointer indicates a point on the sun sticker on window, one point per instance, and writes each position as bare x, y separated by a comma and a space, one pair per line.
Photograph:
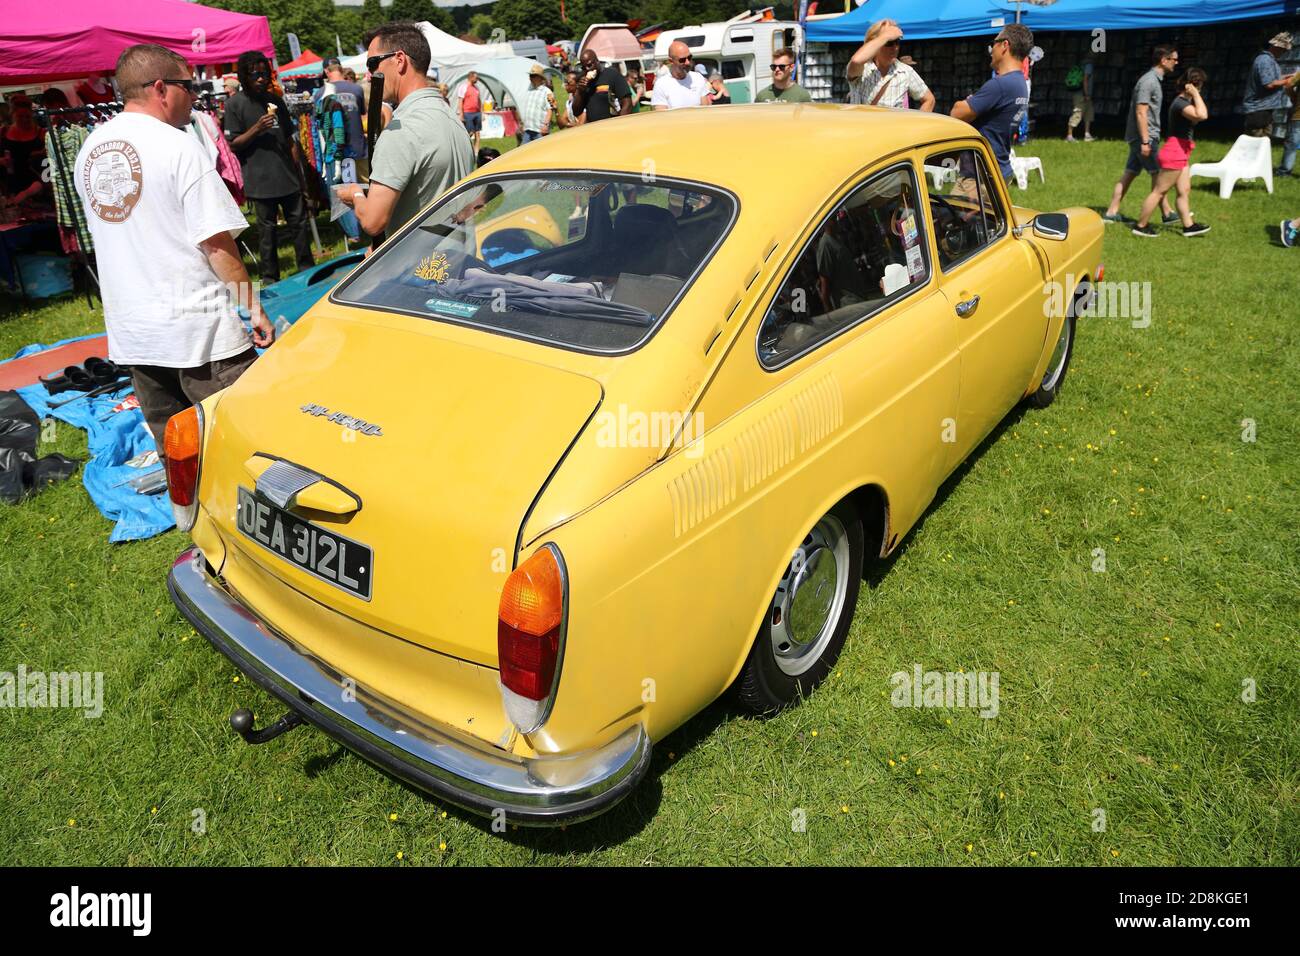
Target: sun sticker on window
433, 268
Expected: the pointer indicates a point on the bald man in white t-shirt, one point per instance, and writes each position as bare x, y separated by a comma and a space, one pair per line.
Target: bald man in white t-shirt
164, 228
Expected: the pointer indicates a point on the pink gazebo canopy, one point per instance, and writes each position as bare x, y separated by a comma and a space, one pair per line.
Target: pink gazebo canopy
59, 39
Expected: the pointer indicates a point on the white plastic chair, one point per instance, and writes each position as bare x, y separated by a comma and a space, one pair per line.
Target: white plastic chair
1251, 157
941, 175
1022, 166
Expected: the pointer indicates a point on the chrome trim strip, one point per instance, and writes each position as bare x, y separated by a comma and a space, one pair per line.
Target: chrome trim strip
432, 756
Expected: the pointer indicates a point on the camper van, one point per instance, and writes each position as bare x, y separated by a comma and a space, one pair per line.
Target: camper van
615, 43
740, 50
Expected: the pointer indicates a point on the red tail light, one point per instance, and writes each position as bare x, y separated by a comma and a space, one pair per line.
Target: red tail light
530, 625
182, 447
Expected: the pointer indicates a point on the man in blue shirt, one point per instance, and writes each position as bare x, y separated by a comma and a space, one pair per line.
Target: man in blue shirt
1265, 89
1000, 103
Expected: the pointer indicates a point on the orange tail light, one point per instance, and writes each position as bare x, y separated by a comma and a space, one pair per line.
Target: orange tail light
183, 449
530, 625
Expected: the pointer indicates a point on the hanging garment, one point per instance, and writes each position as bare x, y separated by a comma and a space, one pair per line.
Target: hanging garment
62, 155
332, 120
208, 131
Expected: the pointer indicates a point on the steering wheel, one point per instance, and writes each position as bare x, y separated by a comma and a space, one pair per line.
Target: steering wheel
952, 234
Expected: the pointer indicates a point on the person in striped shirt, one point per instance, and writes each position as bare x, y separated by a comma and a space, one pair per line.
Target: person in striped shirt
878, 78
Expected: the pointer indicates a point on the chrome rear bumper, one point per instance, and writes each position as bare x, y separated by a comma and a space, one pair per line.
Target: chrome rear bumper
531, 790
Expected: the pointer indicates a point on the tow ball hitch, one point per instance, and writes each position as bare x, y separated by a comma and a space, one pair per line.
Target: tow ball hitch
241, 721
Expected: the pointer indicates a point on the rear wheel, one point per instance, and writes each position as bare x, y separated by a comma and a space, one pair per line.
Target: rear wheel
808, 620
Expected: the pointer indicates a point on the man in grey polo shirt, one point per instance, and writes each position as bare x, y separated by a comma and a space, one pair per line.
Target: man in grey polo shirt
422, 151
1142, 133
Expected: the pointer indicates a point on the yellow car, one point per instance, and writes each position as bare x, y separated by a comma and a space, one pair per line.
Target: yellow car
499, 528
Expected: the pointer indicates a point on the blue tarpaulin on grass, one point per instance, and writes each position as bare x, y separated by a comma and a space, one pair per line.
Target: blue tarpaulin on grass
115, 438
112, 439
963, 18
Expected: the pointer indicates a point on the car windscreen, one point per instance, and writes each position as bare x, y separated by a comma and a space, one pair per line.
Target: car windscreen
591, 261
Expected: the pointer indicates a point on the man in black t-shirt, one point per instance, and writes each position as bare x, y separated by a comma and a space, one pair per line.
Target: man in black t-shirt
598, 87
260, 131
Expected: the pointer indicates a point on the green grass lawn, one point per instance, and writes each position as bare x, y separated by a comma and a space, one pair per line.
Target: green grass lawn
1120, 691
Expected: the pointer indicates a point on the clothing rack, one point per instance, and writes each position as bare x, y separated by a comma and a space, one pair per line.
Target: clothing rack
48, 119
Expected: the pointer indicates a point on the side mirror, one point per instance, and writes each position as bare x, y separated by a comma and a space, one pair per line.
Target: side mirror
1051, 225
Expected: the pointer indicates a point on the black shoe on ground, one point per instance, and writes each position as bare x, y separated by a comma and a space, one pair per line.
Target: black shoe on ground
1195, 229
1147, 231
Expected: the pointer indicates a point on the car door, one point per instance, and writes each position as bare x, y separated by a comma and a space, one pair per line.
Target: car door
994, 286
859, 304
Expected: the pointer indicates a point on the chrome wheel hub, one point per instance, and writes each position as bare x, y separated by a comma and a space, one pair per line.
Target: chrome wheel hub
1056, 364
809, 600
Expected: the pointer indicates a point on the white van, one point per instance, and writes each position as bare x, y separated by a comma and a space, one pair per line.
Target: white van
740, 51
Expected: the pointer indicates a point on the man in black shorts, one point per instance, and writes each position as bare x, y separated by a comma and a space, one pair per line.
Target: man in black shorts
1143, 132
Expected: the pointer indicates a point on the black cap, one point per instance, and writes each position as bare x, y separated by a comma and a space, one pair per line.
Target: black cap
331, 62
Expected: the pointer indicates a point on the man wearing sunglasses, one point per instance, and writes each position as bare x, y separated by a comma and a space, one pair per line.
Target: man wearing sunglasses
683, 86
260, 131
423, 150
997, 106
783, 89
878, 78
164, 228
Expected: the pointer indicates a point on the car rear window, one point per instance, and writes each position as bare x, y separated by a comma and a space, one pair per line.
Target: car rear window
587, 261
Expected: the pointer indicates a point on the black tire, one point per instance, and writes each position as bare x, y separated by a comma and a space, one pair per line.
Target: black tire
1050, 386
764, 686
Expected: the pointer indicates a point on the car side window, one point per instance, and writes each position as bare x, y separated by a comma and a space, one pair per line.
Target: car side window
868, 253
964, 207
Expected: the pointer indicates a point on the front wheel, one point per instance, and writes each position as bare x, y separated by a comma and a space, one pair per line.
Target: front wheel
1059, 363
808, 620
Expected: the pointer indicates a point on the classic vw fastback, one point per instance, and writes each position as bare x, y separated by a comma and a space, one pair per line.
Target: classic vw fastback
609, 431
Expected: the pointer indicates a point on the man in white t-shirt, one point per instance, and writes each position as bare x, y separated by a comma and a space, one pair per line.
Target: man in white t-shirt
164, 225
682, 86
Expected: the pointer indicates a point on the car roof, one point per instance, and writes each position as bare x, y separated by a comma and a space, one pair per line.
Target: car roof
807, 148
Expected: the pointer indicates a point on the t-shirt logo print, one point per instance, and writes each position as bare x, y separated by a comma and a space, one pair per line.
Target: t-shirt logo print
112, 180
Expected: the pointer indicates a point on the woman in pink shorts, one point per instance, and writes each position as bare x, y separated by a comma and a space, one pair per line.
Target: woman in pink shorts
1185, 112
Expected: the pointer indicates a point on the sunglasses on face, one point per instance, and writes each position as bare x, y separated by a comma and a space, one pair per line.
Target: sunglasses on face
372, 62
997, 41
189, 86
893, 43
683, 60
781, 66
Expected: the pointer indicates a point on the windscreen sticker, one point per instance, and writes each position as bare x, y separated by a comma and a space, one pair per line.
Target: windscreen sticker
909, 229
558, 277
915, 262
433, 268
460, 310
572, 186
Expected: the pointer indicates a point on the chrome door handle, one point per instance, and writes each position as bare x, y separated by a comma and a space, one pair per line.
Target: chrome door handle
970, 305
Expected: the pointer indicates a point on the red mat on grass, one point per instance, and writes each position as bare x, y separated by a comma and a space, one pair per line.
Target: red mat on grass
30, 369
